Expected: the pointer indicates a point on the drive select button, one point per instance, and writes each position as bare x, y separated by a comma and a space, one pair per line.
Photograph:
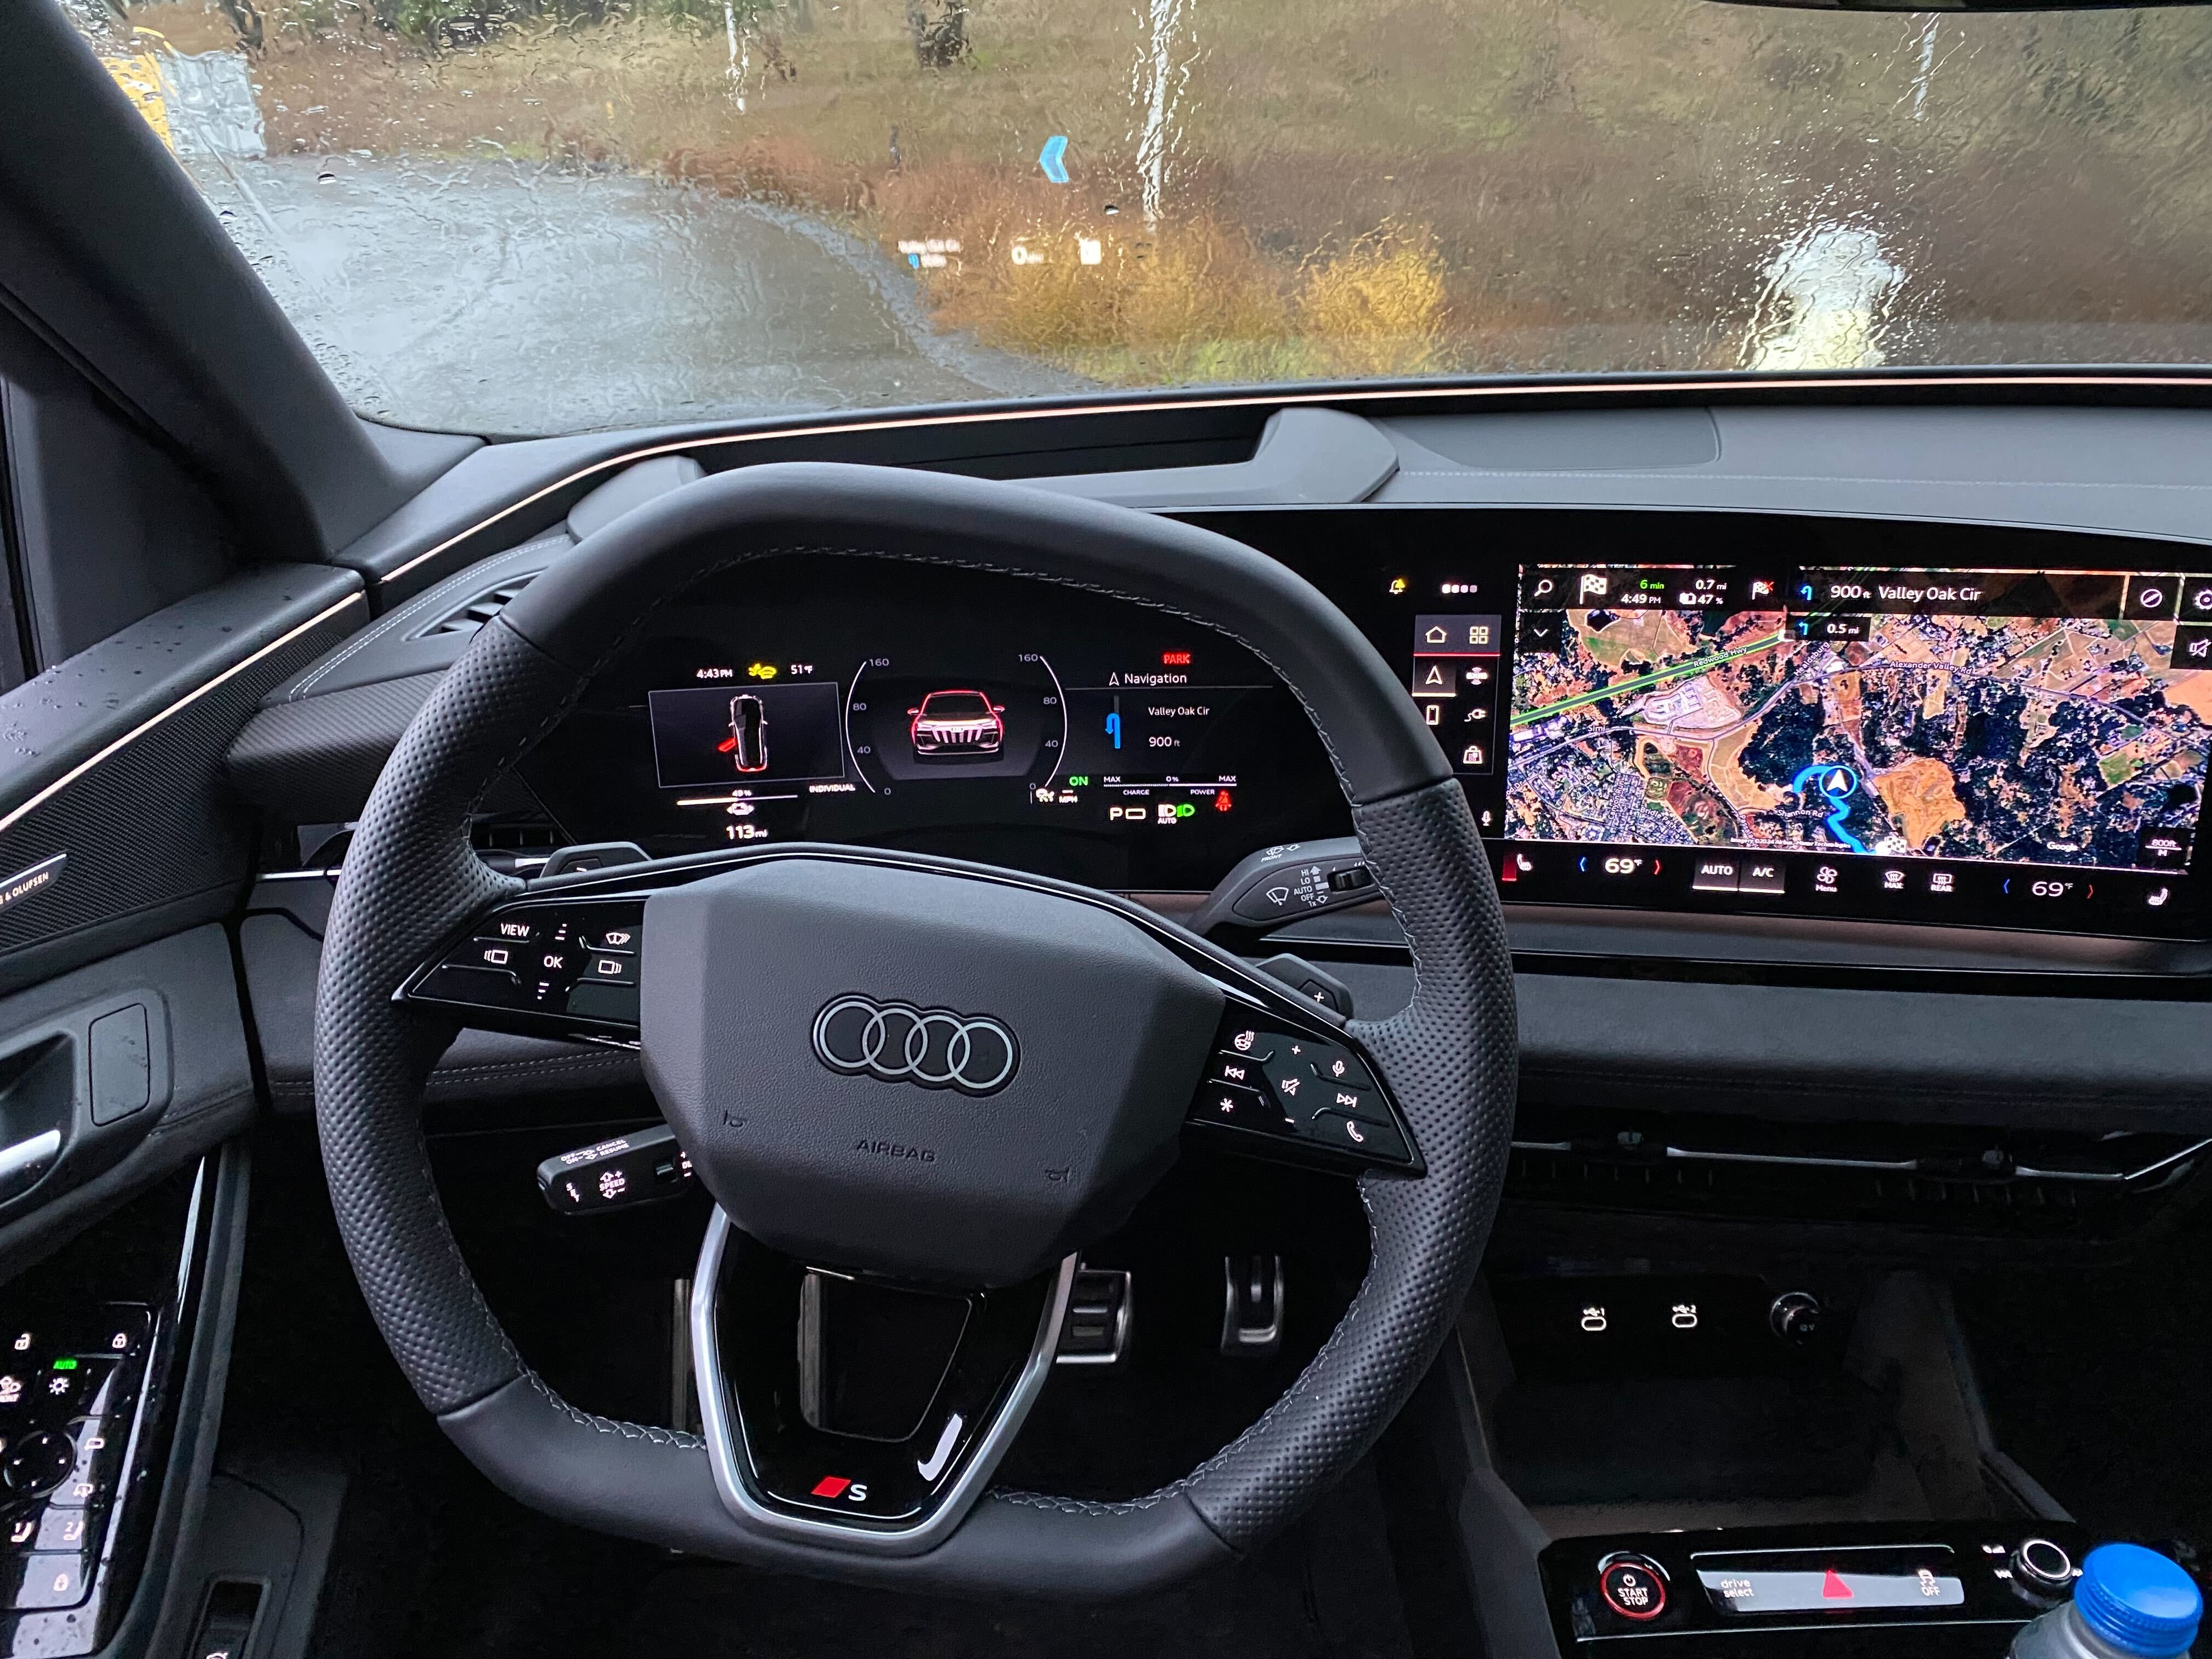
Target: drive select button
1633, 1586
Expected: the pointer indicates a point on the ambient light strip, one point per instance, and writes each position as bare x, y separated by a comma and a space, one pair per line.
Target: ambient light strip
1595, 393
19, 813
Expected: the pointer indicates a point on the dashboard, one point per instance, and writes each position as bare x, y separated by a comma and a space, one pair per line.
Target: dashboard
1733, 712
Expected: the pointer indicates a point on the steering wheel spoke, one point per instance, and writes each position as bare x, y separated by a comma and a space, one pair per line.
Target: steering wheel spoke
859, 1413
564, 964
1292, 1089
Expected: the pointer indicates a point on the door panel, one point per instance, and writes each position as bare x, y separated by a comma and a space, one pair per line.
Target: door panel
111, 762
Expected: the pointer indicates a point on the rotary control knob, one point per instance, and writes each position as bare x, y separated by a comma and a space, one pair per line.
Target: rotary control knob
1633, 1586
2042, 1567
1794, 1316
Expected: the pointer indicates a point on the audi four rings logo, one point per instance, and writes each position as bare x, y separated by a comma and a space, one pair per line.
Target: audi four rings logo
897, 1042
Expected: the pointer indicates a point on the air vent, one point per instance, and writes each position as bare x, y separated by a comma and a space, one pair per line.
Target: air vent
1947, 1178
478, 611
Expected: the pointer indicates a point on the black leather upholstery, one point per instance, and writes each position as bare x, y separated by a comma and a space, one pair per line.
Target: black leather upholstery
411, 881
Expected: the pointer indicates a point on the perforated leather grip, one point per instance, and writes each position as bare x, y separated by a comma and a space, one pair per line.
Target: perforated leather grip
410, 879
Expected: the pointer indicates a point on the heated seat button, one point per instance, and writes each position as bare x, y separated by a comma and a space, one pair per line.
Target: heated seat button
1634, 1587
1246, 1108
1377, 1140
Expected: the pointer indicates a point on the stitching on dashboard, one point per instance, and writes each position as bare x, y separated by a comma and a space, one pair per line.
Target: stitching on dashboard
427, 601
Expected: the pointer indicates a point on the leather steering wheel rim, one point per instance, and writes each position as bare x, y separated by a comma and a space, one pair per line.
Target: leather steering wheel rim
411, 878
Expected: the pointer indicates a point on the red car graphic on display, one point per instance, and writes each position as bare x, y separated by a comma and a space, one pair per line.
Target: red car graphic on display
747, 744
950, 724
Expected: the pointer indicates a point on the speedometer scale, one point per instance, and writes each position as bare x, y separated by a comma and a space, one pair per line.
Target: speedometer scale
924, 717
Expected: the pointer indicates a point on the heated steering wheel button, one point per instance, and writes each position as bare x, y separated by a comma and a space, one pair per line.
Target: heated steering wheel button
1246, 1108
1250, 1043
1377, 1140
621, 938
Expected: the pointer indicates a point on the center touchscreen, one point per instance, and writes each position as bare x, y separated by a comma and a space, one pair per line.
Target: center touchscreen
1931, 734
1782, 715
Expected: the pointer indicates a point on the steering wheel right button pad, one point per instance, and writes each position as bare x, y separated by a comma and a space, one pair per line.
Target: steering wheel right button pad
1305, 1091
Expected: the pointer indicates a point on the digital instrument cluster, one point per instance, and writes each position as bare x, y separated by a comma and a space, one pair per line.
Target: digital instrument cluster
953, 712
1679, 711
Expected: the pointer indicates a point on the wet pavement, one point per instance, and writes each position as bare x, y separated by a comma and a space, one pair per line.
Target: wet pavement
498, 297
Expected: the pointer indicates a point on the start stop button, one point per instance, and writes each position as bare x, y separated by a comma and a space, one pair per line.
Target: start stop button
1633, 1586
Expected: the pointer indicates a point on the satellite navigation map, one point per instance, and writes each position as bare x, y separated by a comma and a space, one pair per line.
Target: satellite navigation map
2045, 739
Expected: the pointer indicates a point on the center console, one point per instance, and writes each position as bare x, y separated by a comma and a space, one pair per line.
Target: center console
1931, 1590
1740, 1452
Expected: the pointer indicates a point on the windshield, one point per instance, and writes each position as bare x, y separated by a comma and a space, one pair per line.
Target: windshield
538, 216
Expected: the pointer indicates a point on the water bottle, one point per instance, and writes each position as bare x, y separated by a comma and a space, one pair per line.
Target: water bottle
2129, 1603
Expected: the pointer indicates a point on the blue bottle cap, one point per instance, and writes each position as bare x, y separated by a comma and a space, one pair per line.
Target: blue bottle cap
2138, 1601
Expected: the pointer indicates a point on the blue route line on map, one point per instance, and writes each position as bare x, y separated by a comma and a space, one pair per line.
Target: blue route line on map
1841, 800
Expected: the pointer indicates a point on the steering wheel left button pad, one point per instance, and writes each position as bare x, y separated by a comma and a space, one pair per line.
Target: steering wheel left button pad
564, 964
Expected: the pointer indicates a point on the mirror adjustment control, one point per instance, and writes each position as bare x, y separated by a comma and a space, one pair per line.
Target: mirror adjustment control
617, 1173
38, 1462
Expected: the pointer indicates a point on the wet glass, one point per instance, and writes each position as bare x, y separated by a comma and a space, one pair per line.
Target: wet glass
538, 216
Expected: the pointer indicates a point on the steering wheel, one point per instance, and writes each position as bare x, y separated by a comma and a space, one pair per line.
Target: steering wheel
913, 1072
